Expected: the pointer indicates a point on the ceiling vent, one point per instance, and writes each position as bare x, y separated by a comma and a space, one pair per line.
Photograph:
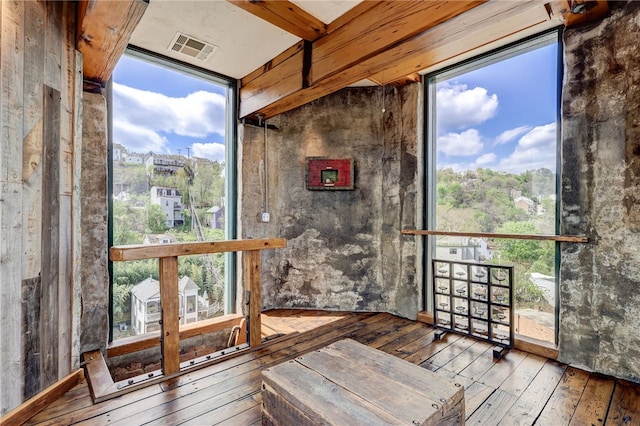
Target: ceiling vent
192, 47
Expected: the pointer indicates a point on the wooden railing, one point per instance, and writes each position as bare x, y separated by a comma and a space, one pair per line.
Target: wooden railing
101, 386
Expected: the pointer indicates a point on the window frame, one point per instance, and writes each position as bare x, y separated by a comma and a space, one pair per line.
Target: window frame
231, 167
553, 35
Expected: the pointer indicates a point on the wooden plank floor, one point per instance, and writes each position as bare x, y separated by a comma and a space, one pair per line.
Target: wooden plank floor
522, 388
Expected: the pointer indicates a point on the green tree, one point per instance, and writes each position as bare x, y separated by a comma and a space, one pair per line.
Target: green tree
156, 219
523, 251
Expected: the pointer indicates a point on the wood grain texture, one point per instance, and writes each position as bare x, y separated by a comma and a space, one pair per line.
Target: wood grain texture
30, 408
98, 376
170, 337
50, 237
535, 396
229, 390
104, 35
594, 401
377, 29
336, 55
251, 268
146, 251
625, 404
285, 15
76, 214
150, 340
563, 402
11, 193
559, 238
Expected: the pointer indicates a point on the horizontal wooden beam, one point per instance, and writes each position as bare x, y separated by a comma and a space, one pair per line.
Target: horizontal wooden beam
576, 12
33, 406
105, 30
153, 251
477, 28
557, 238
367, 35
480, 26
150, 340
285, 15
378, 29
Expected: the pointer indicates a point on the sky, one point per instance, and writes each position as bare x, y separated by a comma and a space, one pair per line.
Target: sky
163, 111
502, 116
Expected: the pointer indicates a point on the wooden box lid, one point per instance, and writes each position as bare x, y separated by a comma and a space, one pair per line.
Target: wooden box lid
350, 383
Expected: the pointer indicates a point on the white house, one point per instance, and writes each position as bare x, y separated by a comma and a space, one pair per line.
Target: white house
133, 159
145, 304
117, 152
463, 249
170, 201
159, 239
163, 165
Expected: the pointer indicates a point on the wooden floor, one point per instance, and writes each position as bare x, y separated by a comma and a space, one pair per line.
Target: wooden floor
520, 389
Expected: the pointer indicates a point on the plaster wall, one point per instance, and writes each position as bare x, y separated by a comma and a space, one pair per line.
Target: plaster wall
344, 248
600, 281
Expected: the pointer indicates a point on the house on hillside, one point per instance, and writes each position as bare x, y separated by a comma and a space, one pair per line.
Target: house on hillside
526, 204
214, 217
159, 239
145, 304
163, 165
170, 201
463, 249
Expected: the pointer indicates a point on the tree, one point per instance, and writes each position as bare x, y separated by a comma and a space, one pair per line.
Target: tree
525, 251
156, 219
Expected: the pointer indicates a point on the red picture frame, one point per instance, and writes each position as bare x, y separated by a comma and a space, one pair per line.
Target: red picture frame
329, 174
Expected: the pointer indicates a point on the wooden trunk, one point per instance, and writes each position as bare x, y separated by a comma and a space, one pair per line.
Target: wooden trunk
347, 383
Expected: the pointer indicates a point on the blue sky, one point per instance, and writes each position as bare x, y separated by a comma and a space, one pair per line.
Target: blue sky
502, 116
163, 111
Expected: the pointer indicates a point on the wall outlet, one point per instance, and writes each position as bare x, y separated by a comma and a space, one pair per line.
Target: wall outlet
265, 217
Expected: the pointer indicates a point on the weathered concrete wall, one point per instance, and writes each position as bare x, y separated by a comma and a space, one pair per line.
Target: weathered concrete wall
600, 281
344, 248
95, 274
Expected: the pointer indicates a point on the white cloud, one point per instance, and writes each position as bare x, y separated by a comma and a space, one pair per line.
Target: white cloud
137, 138
485, 159
213, 151
536, 149
460, 144
458, 107
196, 115
509, 135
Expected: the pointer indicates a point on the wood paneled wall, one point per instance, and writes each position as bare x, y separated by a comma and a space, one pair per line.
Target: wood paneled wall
39, 106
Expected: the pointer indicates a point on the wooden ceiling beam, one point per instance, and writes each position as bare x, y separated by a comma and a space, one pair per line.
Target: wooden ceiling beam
484, 25
367, 35
576, 12
481, 26
105, 30
285, 15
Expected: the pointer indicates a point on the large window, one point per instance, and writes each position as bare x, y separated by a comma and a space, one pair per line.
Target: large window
172, 165
493, 168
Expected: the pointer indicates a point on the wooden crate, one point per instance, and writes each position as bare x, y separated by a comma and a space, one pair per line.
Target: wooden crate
347, 383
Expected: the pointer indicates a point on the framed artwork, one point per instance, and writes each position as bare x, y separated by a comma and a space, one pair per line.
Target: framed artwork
329, 174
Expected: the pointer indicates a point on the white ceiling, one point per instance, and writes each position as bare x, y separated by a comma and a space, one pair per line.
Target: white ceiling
244, 42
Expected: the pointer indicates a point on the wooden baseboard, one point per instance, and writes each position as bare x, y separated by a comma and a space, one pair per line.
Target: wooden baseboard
537, 347
34, 405
145, 341
425, 317
523, 343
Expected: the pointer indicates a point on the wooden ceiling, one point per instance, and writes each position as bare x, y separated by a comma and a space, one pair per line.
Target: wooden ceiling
385, 42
